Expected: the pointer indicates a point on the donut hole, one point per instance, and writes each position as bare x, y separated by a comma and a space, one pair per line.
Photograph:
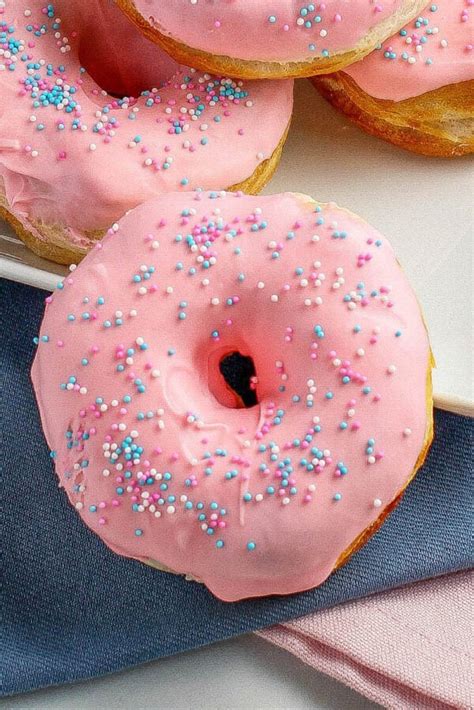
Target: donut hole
142, 67
238, 372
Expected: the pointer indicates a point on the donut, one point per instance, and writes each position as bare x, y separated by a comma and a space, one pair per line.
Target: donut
281, 38
236, 388
416, 90
77, 151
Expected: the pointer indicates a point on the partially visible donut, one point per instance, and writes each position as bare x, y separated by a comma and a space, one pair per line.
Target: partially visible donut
269, 39
74, 158
141, 395
417, 90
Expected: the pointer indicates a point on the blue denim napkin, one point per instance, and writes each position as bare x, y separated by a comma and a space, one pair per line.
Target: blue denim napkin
74, 610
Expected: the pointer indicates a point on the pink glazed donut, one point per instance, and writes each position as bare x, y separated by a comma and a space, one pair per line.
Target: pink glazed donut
269, 38
143, 351
76, 152
417, 89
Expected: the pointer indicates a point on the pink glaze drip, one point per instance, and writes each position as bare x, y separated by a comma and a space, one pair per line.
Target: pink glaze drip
422, 57
89, 176
268, 30
341, 358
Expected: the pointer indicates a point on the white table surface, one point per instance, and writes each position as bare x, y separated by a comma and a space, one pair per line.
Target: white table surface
425, 207
246, 673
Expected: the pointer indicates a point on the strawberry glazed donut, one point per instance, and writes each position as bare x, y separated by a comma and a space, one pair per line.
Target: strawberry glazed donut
77, 152
236, 388
269, 39
416, 91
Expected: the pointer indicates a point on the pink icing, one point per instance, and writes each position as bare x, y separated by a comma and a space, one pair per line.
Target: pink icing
52, 174
432, 51
268, 30
130, 346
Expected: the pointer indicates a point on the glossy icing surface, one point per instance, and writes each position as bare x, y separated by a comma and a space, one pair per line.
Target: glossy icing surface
434, 50
63, 138
268, 30
148, 439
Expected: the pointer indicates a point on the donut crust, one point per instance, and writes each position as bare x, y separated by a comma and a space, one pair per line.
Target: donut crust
256, 69
438, 123
52, 242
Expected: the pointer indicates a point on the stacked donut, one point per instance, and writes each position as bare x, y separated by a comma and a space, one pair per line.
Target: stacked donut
234, 388
91, 104
415, 88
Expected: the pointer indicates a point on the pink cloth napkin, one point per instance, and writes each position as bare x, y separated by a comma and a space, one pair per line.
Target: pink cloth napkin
407, 648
